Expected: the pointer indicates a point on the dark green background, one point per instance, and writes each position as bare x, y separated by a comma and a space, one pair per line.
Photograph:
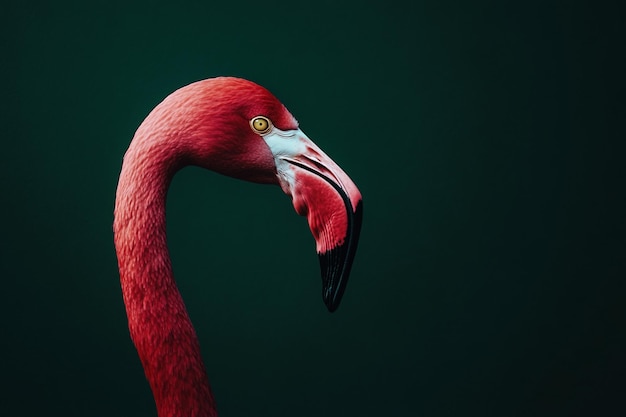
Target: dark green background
487, 139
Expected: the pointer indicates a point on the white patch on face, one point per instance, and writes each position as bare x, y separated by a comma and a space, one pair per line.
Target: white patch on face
293, 147
285, 144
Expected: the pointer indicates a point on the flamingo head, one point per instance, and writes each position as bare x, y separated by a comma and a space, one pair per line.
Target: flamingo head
238, 128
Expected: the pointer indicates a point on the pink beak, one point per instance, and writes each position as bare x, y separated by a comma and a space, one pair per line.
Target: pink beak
330, 200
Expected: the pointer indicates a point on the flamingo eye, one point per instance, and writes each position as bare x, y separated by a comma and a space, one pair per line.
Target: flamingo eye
261, 124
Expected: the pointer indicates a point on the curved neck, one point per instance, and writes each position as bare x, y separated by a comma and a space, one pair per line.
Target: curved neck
157, 318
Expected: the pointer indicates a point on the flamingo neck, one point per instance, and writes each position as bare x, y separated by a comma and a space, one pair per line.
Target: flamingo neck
157, 318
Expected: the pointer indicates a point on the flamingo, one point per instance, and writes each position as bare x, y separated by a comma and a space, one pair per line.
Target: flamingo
236, 128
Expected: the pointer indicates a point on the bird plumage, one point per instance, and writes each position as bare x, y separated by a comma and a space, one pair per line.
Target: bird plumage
208, 124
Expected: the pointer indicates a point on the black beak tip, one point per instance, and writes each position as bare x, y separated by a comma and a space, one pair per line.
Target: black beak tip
332, 303
336, 263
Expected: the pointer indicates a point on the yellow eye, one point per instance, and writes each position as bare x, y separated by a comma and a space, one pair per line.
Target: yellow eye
261, 124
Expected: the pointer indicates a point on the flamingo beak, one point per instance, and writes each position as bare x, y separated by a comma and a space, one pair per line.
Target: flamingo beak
321, 191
